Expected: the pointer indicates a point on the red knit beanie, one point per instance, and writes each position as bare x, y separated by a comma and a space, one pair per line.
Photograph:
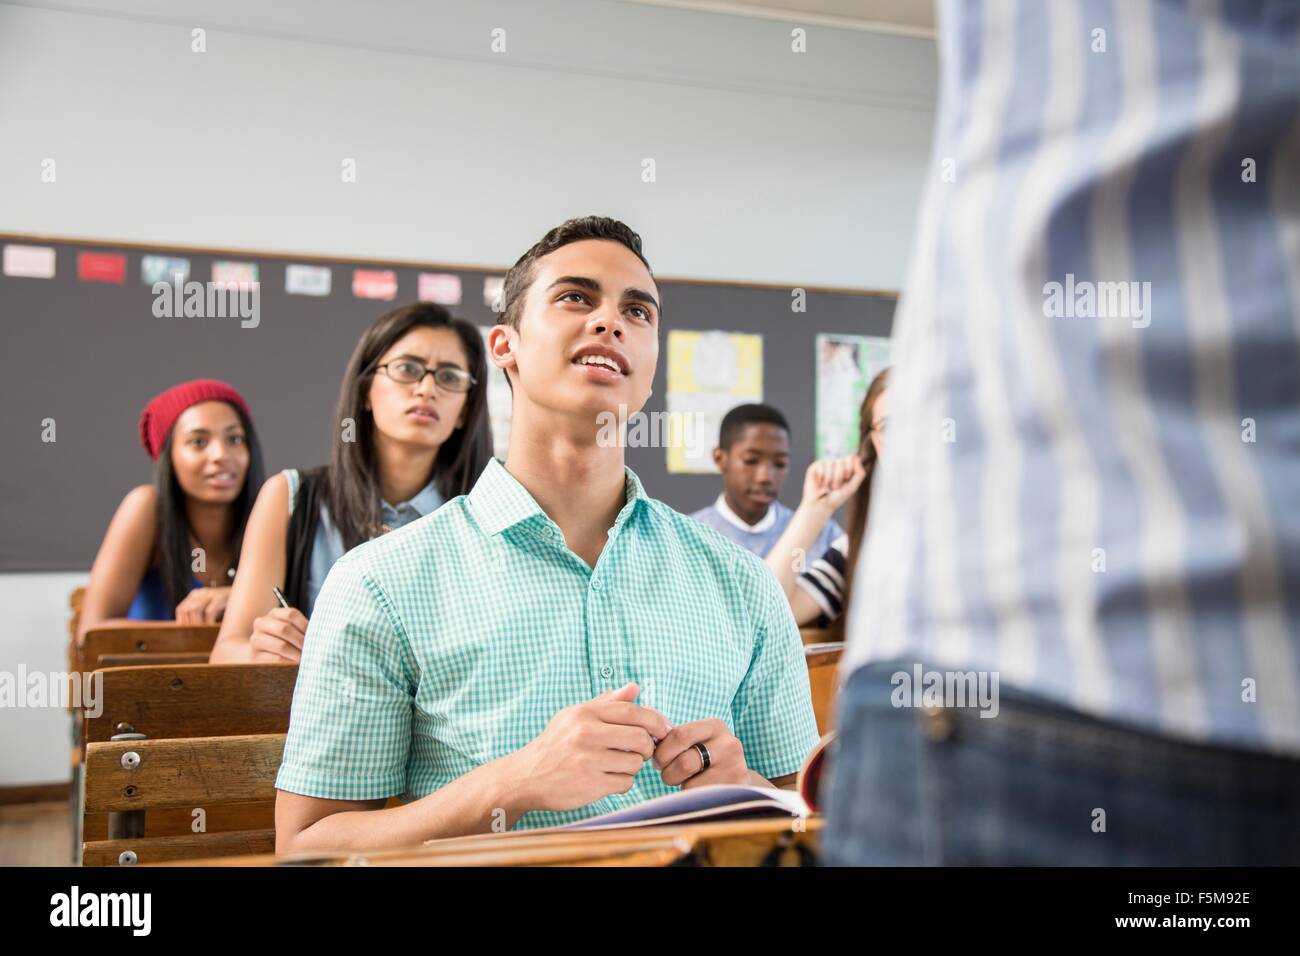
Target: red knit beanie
160, 414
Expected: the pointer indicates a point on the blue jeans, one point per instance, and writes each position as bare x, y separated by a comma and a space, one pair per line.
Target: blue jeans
1042, 785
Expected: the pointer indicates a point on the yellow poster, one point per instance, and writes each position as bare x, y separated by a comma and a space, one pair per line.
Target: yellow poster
709, 373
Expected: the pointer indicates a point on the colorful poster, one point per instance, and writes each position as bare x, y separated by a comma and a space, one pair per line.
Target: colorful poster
846, 364
493, 286
709, 373
234, 275
440, 287
498, 402
101, 267
374, 284
307, 280
164, 269
29, 262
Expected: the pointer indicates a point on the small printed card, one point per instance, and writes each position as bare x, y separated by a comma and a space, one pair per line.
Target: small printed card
307, 280
29, 262
440, 287
374, 283
101, 267
164, 269
233, 275
493, 287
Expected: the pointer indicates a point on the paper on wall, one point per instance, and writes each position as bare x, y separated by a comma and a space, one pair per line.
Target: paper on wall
307, 280
164, 269
29, 262
709, 373
442, 288
846, 364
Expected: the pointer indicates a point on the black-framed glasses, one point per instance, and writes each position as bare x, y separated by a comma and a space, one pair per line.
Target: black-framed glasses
449, 377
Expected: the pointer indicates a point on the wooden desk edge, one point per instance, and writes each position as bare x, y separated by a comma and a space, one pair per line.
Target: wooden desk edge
444, 852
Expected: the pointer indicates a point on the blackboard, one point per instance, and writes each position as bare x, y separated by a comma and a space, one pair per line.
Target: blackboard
87, 355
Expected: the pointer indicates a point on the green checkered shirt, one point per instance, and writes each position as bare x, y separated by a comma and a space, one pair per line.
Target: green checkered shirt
453, 641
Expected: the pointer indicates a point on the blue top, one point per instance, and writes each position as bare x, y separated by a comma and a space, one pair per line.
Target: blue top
762, 536
151, 602
327, 546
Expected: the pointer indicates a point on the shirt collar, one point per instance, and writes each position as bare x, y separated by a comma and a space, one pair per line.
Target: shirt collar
763, 524
426, 501
500, 501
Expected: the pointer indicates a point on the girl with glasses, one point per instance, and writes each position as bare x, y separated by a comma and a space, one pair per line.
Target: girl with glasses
411, 432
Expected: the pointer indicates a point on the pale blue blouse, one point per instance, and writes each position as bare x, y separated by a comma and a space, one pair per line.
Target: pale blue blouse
327, 547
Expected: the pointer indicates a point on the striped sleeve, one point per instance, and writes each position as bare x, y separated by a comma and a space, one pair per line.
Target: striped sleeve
824, 581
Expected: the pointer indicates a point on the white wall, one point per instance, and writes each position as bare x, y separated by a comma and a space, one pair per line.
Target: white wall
35, 742
772, 166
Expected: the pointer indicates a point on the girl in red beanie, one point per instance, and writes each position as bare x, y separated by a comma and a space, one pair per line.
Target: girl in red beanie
171, 549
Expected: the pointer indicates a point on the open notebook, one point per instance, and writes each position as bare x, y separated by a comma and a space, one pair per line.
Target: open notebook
721, 801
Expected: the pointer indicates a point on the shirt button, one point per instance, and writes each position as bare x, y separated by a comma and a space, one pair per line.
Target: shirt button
607, 672
596, 583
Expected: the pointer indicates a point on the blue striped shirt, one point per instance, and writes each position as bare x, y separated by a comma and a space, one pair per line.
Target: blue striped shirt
1100, 499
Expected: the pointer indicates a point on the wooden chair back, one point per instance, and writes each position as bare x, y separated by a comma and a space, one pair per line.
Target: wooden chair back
141, 637
157, 703
129, 779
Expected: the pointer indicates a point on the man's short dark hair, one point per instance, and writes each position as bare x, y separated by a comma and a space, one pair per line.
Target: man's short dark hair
522, 273
740, 416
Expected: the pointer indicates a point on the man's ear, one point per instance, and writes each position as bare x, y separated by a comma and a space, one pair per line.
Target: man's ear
501, 341
720, 459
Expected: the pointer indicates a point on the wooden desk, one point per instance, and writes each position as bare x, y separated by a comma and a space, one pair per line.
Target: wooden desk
726, 843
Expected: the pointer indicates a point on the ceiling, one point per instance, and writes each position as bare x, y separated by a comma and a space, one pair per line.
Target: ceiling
907, 17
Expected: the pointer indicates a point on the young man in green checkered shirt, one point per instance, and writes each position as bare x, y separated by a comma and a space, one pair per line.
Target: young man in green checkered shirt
556, 644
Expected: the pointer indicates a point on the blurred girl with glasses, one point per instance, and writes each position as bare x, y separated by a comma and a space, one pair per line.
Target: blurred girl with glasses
411, 432
819, 592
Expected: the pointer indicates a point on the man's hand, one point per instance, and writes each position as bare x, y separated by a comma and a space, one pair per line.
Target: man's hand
680, 763
203, 606
587, 752
278, 636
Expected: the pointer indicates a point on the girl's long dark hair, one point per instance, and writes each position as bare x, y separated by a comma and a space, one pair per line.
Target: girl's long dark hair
175, 563
353, 476
861, 502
